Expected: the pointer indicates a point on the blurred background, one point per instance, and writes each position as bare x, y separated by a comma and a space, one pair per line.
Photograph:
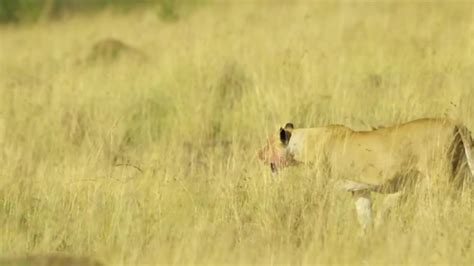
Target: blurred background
129, 129
16, 11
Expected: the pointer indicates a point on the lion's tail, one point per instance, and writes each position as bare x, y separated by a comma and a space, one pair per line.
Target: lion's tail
467, 144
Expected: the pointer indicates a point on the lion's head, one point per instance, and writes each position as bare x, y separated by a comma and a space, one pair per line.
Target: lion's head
275, 152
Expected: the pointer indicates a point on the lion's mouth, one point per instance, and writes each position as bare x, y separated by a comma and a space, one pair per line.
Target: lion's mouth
273, 168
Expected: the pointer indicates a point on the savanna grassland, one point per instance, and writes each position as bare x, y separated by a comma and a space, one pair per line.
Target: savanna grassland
147, 155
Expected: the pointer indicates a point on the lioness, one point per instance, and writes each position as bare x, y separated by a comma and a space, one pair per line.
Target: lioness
382, 160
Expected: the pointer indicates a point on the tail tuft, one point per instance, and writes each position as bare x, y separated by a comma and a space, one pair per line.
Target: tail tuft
467, 141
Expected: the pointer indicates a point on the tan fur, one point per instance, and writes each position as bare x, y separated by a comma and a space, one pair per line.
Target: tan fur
380, 158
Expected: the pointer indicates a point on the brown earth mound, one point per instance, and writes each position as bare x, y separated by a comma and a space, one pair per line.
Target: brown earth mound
110, 49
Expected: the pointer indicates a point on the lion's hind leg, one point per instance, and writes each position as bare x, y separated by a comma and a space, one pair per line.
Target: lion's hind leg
390, 201
396, 190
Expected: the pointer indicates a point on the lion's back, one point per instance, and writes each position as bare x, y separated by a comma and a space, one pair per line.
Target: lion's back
378, 155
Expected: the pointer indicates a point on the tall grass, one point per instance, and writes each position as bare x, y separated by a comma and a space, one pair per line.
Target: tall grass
191, 117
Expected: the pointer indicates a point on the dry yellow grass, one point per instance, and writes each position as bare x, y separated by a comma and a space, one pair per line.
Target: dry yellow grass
216, 82
49, 260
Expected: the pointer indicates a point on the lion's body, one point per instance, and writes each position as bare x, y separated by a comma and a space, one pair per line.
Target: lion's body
382, 160
425, 146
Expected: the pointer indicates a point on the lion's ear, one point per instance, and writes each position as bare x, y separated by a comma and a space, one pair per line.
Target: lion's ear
289, 126
285, 136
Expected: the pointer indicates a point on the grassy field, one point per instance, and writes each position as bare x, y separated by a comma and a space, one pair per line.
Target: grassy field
192, 110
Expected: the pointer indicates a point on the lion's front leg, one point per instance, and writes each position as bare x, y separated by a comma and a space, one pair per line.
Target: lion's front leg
363, 204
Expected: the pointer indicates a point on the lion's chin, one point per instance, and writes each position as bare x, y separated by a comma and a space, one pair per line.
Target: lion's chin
273, 168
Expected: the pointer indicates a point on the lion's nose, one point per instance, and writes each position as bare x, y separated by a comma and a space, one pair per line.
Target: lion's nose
273, 168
